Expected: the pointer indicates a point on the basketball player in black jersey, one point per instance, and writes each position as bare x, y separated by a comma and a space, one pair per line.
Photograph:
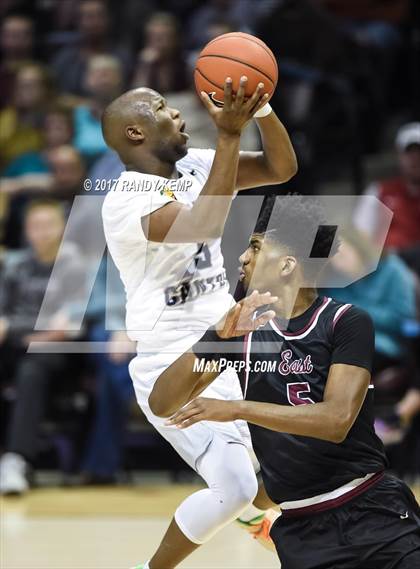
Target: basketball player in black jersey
310, 410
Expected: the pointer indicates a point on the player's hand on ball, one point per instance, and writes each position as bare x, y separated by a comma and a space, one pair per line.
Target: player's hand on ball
240, 319
236, 111
203, 409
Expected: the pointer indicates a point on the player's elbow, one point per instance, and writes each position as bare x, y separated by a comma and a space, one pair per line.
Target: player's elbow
337, 436
159, 406
288, 170
341, 427
282, 173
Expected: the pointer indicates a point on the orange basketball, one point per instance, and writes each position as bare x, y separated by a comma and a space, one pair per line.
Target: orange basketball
233, 55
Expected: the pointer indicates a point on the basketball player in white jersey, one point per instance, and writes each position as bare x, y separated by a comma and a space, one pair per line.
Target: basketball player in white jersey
163, 222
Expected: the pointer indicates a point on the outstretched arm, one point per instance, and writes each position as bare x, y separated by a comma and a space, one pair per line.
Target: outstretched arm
181, 382
330, 420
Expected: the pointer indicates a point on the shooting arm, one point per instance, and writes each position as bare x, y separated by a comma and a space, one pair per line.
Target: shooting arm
275, 164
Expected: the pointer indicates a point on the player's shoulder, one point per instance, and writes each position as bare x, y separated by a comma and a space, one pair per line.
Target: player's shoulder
345, 315
198, 158
131, 185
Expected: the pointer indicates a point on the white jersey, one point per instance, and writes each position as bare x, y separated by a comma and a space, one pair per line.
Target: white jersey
174, 291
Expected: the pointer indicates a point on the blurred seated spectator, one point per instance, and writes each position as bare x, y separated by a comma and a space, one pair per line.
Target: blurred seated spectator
105, 323
372, 22
103, 458
401, 194
84, 229
388, 294
409, 406
16, 47
57, 130
63, 181
242, 15
23, 321
377, 27
20, 122
69, 171
30, 173
70, 62
213, 30
103, 83
161, 64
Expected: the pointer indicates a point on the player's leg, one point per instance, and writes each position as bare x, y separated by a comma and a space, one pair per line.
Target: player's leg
409, 561
232, 486
397, 525
258, 518
379, 528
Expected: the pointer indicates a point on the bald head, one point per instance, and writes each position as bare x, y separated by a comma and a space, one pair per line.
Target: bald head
130, 108
139, 126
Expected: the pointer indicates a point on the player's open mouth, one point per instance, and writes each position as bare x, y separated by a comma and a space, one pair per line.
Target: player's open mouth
182, 130
242, 274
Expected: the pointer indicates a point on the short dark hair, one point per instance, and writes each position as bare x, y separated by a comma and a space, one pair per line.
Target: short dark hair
292, 220
42, 203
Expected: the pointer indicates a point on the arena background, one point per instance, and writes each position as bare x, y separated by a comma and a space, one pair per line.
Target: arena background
103, 484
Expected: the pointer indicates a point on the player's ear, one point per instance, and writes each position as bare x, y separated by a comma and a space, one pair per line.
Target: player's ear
134, 133
288, 265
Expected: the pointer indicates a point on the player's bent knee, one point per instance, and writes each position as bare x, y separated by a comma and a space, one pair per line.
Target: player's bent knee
242, 490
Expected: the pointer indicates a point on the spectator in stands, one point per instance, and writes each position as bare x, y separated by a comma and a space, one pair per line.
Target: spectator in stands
105, 323
372, 22
388, 294
22, 294
103, 83
20, 123
103, 458
84, 229
401, 194
57, 130
69, 171
94, 31
161, 63
16, 47
60, 175
242, 15
213, 30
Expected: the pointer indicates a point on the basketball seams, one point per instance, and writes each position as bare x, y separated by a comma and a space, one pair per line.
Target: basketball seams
207, 79
247, 37
237, 61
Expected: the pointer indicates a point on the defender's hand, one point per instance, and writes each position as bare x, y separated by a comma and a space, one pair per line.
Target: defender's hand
204, 409
240, 319
236, 111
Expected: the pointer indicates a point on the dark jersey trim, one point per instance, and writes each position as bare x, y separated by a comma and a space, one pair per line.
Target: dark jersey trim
335, 502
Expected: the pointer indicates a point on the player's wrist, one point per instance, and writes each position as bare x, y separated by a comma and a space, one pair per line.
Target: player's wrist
229, 136
238, 409
263, 112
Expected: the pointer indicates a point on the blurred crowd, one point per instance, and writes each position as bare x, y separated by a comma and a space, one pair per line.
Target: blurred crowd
349, 88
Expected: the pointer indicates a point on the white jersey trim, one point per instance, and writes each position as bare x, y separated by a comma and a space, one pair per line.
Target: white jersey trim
333, 495
289, 336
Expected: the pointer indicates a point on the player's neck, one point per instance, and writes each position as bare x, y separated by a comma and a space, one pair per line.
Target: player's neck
293, 302
153, 166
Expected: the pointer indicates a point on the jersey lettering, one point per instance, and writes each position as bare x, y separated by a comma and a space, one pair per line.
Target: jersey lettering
288, 366
294, 393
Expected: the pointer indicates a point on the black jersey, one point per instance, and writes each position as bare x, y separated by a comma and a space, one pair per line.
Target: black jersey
297, 467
